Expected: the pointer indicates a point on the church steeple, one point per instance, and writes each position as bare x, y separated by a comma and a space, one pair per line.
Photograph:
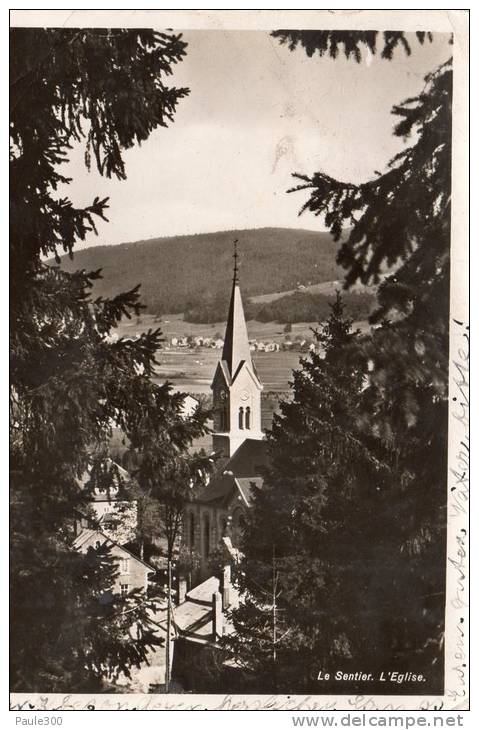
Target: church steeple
236, 386
236, 347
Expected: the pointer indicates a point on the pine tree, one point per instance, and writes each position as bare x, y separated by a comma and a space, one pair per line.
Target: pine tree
399, 222
333, 514
321, 513
70, 381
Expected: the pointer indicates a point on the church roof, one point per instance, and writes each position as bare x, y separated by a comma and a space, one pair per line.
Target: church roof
237, 475
251, 454
245, 486
236, 348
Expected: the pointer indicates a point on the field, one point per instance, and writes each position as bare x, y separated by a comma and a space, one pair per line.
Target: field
192, 370
173, 325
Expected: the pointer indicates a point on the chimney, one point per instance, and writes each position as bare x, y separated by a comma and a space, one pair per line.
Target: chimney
217, 612
225, 585
182, 590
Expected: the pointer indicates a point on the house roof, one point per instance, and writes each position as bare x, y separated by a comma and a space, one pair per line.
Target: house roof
83, 538
193, 619
119, 476
237, 475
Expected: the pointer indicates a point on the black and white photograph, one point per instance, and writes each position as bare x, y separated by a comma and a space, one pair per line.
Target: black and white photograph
239, 436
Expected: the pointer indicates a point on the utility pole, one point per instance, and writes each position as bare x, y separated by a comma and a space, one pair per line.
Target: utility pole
168, 629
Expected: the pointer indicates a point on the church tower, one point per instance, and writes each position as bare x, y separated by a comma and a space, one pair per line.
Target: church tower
236, 386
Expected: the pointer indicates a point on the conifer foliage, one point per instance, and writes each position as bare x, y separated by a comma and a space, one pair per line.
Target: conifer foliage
307, 516
107, 91
354, 503
401, 221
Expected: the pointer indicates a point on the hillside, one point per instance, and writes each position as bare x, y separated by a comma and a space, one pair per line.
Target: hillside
297, 306
304, 306
179, 272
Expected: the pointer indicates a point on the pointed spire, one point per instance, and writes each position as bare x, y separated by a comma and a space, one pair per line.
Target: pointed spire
236, 347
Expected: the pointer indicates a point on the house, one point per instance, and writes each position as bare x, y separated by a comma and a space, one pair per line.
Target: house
201, 616
200, 622
189, 406
133, 573
221, 505
115, 515
117, 518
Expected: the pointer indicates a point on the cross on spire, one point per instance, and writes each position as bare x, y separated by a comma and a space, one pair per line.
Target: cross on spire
235, 256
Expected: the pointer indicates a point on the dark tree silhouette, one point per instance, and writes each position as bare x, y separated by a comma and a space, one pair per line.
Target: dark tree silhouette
321, 488
367, 537
70, 382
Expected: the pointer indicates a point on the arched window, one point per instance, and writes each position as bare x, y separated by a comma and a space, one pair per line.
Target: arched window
240, 417
192, 531
206, 536
248, 417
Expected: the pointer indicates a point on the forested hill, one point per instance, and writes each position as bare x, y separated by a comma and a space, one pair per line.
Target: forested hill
179, 272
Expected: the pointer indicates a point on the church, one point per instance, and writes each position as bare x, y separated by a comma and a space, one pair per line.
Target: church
219, 509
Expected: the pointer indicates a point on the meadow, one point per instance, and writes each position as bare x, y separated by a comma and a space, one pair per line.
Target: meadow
192, 370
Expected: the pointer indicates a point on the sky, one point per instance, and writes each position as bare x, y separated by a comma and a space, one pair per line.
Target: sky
256, 113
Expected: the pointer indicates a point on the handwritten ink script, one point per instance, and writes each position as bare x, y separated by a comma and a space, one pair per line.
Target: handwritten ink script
458, 510
57, 702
